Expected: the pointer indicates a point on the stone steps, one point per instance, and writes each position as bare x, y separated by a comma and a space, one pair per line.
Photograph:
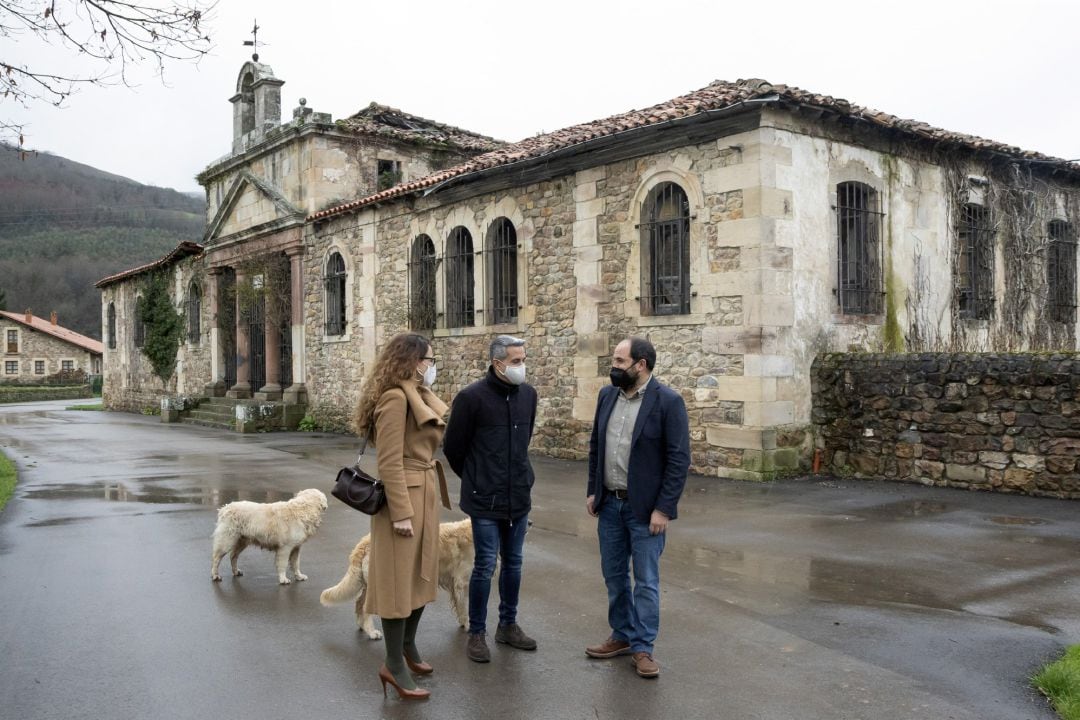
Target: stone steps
208, 423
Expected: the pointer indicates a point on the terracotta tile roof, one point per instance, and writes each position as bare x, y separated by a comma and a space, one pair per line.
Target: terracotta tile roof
182, 250
392, 123
62, 333
719, 95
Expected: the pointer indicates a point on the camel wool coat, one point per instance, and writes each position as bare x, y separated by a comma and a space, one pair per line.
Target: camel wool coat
403, 573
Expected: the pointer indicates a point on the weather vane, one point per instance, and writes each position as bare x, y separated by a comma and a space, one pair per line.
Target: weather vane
254, 42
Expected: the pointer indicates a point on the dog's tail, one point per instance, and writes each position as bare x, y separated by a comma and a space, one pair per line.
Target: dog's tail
347, 590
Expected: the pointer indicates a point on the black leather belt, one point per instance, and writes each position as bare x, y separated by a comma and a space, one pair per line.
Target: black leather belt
620, 494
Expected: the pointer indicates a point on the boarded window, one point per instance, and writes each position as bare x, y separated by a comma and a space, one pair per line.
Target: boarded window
111, 326
665, 251
334, 283
194, 310
1061, 272
422, 265
502, 270
859, 250
12, 341
975, 263
460, 292
140, 326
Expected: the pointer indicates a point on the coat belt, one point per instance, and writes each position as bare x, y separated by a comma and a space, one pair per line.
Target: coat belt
429, 549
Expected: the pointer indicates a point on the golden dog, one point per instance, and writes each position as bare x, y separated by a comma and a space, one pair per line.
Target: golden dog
281, 527
455, 567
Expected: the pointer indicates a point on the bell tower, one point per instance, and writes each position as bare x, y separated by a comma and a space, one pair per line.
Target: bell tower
256, 104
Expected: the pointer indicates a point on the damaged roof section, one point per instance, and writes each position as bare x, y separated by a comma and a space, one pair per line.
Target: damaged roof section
388, 122
181, 251
715, 97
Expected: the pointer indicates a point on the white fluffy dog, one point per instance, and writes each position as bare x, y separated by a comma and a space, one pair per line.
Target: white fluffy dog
281, 527
455, 567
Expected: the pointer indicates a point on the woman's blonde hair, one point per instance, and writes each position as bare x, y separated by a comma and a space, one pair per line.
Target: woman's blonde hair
395, 364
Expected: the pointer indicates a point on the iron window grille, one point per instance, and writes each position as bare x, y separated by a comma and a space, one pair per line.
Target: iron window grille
859, 249
194, 308
334, 282
13, 341
1061, 272
665, 251
140, 326
422, 266
460, 290
111, 325
975, 264
502, 272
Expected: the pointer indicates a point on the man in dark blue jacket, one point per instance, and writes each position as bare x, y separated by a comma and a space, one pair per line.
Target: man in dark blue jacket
487, 445
639, 455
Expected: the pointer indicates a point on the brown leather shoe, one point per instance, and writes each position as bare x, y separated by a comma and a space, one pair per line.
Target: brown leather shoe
476, 648
646, 666
608, 649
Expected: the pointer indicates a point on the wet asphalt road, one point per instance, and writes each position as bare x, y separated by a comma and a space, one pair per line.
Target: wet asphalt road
807, 599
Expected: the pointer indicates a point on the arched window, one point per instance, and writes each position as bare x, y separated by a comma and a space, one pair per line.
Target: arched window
859, 249
665, 251
1061, 272
975, 263
334, 283
460, 293
422, 264
140, 326
194, 308
501, 262
110, 326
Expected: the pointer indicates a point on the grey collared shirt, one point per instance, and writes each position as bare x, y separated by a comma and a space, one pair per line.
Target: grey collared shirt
620, 431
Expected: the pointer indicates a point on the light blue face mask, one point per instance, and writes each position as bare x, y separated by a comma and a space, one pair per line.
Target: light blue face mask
515, 374
429, 375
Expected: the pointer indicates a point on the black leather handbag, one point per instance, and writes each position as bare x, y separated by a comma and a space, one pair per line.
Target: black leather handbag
358, 489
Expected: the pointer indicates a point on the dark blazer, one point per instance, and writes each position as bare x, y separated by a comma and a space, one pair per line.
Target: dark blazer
659, 451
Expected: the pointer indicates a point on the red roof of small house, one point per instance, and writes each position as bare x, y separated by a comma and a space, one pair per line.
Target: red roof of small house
57, 331
182, 250
718, 95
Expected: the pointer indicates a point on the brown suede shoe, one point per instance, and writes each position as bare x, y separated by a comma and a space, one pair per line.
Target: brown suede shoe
476, 648
608, 649
646, 666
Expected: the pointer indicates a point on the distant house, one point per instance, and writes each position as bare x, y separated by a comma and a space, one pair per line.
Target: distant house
36, 350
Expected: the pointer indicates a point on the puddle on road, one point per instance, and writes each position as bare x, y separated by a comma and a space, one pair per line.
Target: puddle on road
905, 509
1015, 520
116, 492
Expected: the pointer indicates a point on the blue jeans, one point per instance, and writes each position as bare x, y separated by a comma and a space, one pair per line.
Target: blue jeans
491, 539
634, 614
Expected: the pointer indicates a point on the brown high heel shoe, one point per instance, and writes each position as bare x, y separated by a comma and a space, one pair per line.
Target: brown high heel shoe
420, 668
387, 677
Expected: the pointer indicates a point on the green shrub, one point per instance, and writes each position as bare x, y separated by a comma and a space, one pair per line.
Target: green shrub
307, 424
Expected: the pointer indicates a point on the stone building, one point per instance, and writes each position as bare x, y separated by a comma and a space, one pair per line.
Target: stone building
39, 351
744, 227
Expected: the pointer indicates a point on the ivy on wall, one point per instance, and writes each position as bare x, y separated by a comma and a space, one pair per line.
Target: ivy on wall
164, 326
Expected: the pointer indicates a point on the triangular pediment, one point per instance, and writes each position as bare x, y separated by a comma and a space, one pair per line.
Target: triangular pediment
250, 204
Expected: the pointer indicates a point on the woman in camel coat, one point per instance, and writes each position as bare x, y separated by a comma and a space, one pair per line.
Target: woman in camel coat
404, 419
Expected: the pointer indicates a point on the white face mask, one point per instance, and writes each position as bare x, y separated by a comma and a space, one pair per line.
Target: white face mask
429, 375
515, 374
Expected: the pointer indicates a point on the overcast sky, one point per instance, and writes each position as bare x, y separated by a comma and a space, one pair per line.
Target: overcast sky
995, 69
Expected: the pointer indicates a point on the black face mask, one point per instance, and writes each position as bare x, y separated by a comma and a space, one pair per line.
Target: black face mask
622, 379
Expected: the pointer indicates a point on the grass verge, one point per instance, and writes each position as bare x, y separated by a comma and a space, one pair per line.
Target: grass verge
1060, 681
7, 480
95, 406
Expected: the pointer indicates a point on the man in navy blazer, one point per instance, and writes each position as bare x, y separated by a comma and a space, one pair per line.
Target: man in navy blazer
639, 455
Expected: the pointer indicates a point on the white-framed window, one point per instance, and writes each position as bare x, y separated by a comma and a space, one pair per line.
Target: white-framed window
11, 367
12, 342
67, 365
40, 366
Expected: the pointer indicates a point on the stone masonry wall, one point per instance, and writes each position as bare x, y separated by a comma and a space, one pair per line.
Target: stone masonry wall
35, 345
1000, 422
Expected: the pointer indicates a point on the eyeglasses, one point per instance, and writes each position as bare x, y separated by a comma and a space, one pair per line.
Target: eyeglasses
432, 359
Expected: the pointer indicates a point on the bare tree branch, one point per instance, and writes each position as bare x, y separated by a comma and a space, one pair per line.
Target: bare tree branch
111, 36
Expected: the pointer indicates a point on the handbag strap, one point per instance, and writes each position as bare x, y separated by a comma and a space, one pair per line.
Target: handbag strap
363, 446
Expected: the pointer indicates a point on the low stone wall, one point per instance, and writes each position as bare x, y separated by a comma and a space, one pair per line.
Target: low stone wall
26, 393
1001, 422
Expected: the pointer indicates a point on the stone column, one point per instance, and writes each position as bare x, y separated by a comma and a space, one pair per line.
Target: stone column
242, 388
272, 389
296, 393
216, 386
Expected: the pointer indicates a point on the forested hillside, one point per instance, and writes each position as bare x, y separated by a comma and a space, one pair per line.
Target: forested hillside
64, 226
